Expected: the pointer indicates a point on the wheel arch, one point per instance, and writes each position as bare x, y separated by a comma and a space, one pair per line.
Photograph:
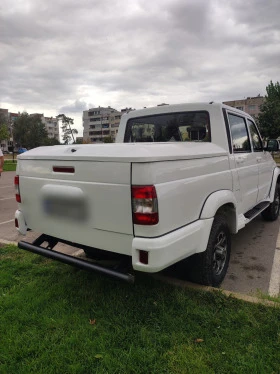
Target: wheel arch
221, 202
275, 180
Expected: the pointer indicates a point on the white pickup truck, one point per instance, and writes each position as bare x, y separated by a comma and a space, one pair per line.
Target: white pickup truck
177, 183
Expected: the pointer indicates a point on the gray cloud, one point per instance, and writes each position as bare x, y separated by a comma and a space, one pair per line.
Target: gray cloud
77, 107
60, 55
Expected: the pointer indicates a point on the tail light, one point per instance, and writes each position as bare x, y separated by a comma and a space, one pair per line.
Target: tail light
18, 198
144, 205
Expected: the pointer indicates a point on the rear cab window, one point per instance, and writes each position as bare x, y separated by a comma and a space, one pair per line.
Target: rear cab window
171, 127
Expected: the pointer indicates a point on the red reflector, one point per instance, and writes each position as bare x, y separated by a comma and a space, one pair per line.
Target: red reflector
144, 257
16, 180
63, 169
18, 198
144, 192
16, 222
145, 219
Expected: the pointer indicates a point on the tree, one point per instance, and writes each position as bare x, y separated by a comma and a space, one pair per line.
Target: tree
108, 139
29, 131
269, 117
51, 141
4, 130
68, 132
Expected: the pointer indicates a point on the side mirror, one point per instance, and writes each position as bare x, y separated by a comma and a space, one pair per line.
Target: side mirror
272, 145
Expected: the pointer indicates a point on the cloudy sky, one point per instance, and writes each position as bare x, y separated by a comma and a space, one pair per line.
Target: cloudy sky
65, 56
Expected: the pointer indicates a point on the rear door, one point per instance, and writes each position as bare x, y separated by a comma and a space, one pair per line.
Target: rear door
245, 161
264, 161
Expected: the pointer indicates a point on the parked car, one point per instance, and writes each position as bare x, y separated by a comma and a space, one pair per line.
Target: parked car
177, 183
22, 150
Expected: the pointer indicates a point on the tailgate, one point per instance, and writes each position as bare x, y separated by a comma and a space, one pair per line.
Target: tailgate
82, 201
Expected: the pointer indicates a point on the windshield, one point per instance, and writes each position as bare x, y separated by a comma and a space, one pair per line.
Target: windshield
171, 127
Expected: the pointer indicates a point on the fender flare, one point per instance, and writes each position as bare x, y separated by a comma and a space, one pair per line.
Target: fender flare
276, 173
215, 201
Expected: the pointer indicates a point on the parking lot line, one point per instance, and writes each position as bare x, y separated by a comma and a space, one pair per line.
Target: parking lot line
7, 198
3, 223
274, 284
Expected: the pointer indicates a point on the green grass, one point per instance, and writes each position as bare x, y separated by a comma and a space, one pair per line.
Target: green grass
149, 327
10, 166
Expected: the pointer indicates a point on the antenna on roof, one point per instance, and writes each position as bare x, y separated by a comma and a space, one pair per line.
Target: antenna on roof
211, 102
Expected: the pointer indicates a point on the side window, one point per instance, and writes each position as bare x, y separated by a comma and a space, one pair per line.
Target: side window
239, 134
256, 140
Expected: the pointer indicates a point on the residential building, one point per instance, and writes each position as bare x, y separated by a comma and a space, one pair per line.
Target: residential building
99, 123
251, 105
51, 125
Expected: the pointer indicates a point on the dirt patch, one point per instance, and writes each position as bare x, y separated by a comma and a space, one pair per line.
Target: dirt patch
255, 267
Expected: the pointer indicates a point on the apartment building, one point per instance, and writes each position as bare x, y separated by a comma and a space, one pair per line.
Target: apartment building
99, 123
51, 125
250, 105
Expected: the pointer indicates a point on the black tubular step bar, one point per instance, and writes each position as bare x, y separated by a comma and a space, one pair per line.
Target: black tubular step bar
48, 252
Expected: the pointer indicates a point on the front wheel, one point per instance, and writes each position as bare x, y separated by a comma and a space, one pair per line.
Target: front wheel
271, 213
210, 267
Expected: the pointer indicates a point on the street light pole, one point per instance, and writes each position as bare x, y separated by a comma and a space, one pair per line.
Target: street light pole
101, 128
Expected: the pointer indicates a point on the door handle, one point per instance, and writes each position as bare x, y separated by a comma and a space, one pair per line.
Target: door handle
240, 160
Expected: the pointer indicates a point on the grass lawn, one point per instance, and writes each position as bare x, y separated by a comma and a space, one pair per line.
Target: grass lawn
57, 319
10, 166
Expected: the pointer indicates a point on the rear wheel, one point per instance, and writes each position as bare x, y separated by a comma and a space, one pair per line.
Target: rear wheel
210, 267
271, 213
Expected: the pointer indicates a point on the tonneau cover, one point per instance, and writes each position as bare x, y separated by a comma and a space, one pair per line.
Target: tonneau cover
126, 152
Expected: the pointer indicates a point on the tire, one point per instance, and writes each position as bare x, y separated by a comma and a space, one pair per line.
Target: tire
210, 267
271, 213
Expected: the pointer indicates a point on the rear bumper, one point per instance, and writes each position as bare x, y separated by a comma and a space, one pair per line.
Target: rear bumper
22, 227
47, 251
162, 251
173, 247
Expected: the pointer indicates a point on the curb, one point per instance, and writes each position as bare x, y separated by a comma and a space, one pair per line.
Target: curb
194, 286
8, 242
199, 287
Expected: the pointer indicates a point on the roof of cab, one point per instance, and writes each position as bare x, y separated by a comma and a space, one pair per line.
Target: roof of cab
179, 108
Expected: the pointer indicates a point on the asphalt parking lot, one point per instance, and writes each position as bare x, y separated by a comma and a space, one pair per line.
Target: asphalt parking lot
252, 265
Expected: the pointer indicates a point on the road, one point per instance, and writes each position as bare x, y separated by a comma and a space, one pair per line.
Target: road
253, 248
